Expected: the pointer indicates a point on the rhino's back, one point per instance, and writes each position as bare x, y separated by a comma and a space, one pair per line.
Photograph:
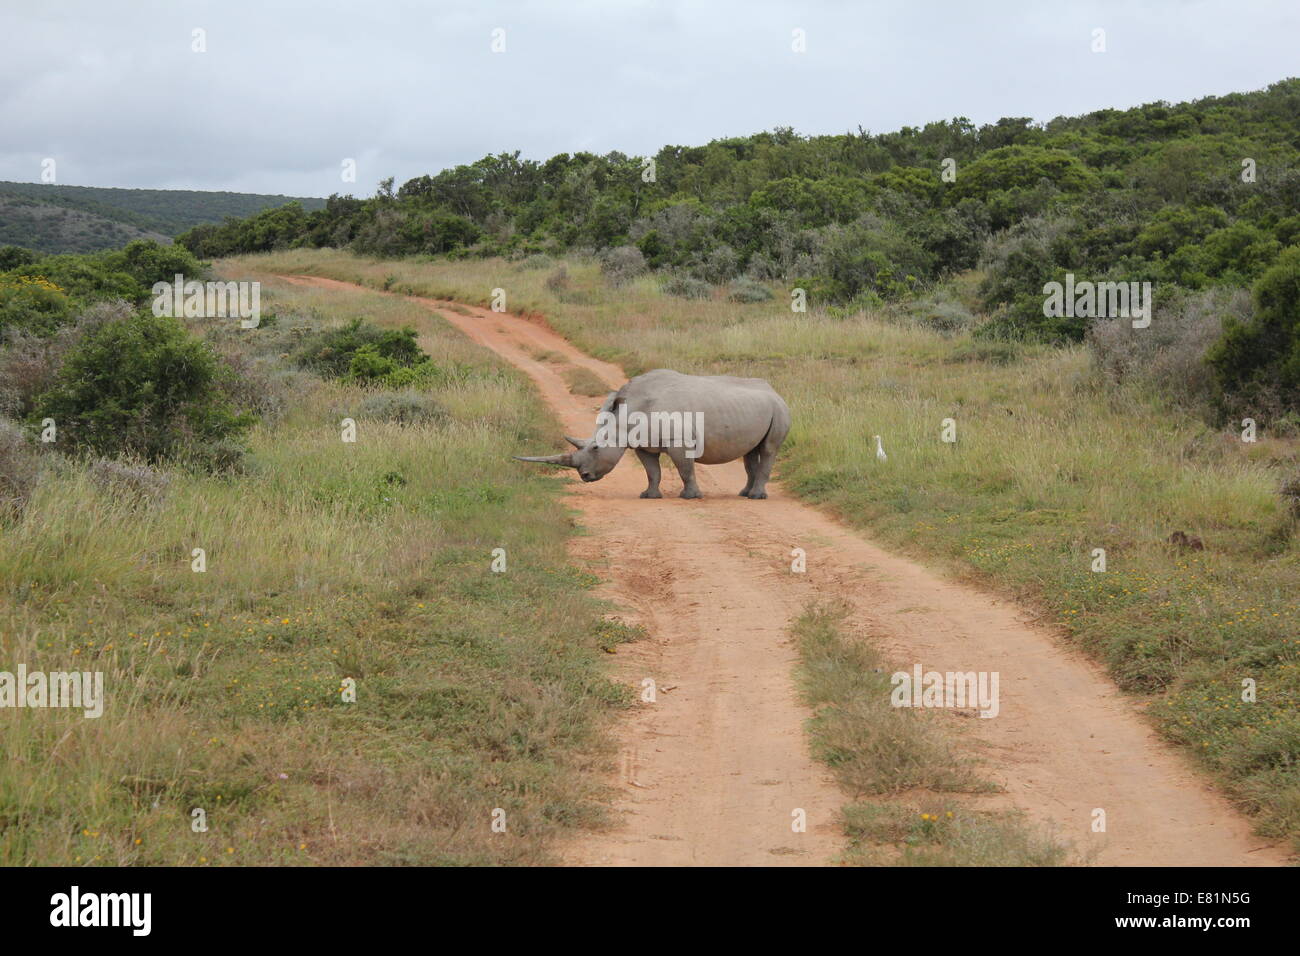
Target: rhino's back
736, 412
665, 381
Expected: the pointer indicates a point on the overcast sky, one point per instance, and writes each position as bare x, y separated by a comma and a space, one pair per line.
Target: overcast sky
113, 91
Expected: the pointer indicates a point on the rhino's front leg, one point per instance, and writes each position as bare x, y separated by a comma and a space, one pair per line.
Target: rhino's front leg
651, 464
686, 468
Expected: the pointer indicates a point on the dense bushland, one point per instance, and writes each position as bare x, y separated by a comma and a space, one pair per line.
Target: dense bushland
1191, 196
39, 293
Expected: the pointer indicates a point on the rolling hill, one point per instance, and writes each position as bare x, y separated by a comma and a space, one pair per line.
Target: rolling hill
51, 218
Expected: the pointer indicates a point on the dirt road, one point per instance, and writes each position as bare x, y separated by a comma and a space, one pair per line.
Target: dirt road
713, 771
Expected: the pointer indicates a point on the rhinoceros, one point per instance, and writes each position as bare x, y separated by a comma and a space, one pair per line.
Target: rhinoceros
708, 419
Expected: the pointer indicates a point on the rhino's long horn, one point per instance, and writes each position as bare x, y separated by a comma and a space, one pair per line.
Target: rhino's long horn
575, 442
566, 460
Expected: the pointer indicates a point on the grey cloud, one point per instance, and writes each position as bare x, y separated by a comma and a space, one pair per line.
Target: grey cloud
286, 91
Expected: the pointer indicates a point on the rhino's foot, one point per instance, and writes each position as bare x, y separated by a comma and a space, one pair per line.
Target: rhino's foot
744, 492
755, 495
690, 493
651, 494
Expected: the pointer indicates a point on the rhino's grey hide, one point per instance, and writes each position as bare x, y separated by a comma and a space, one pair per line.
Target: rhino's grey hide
705, 419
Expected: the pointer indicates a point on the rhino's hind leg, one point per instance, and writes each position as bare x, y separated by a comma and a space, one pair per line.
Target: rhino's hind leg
764, 455
762, 472
651, 464
764, 459
685, 468
751, 466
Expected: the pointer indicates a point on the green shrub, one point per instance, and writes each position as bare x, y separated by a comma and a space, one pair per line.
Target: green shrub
687, 287
369, 364
1287, 232
1022, 167
260, 387
330, 353
1238, 253
428, 375
870, 256
748, 290
86, 278
1019, 261
1169, 357
11, 257
32, 304
1258, 360
718, 265
29, 362
269, 229
141, 385
818, 202
1176, 226
621, 265
940, 311
148, 262
1023, 318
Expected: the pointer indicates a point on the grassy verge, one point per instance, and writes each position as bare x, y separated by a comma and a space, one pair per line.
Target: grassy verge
581, 381
1049, 464
918, 810
326, 561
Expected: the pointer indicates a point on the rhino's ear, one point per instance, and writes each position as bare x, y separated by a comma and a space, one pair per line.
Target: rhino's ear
575, 442
609, 403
